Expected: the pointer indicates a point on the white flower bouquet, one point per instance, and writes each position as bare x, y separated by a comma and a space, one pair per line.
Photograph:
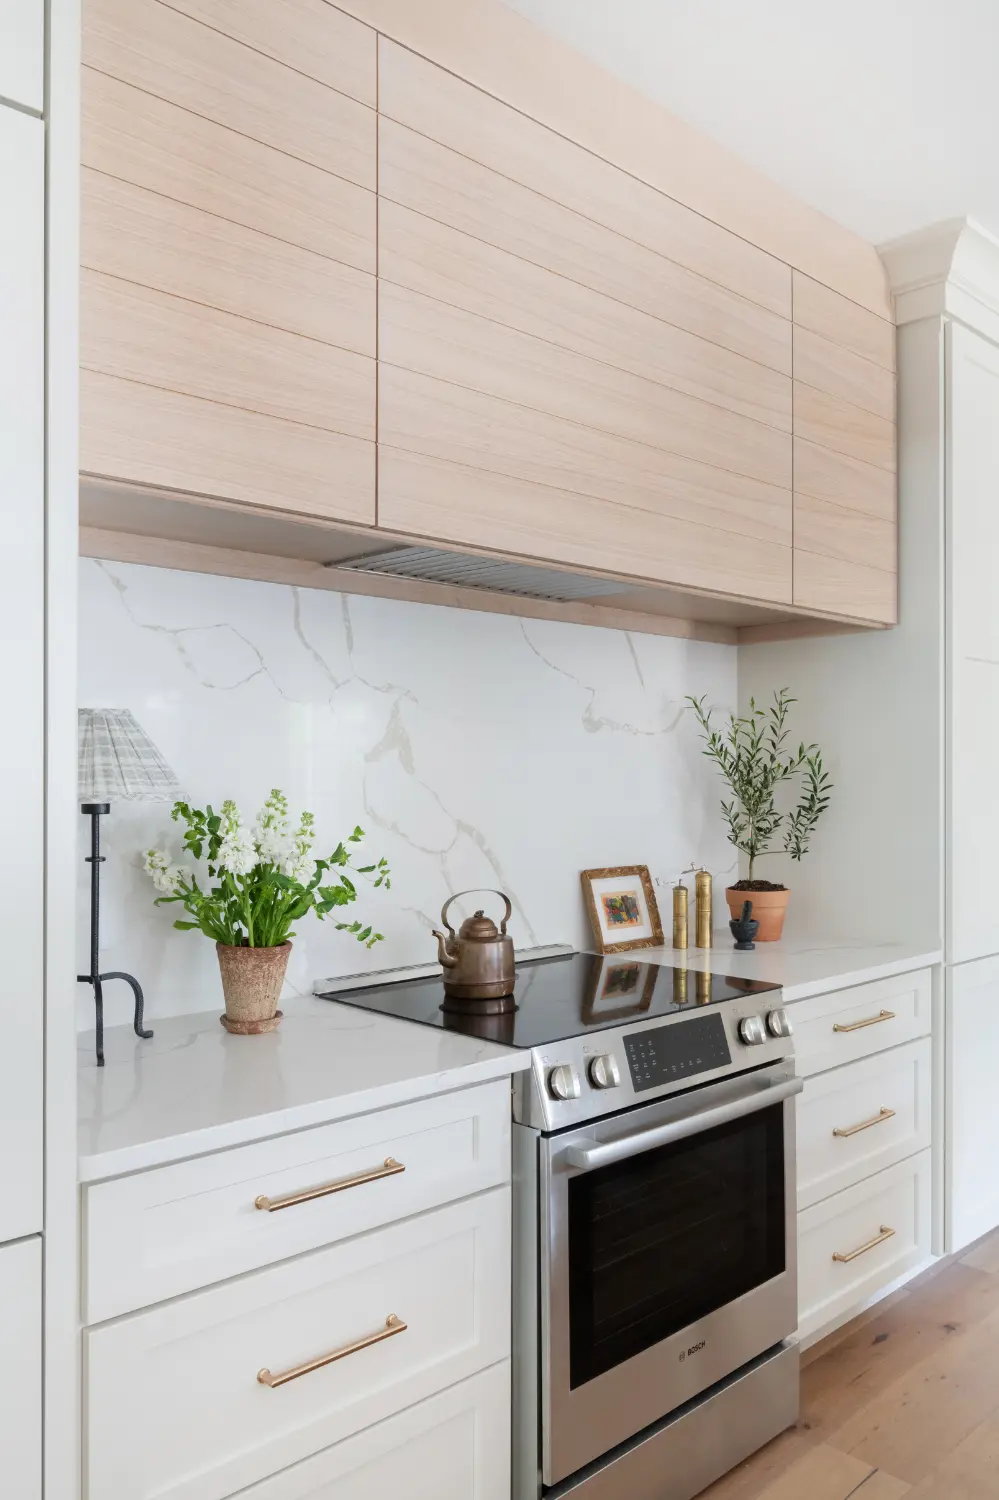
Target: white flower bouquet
260, 880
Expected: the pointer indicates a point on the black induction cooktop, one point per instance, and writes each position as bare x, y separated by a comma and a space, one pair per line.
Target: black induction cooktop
562, 997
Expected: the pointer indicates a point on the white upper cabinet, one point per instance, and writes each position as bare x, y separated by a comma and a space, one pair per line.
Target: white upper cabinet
973, 641
22, 174
22, 43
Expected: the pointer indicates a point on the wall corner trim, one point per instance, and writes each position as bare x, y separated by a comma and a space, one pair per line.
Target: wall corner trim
948, 268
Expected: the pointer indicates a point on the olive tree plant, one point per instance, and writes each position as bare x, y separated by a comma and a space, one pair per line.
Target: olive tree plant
752, 754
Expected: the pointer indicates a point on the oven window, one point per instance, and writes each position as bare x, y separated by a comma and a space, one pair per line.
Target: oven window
662, 1239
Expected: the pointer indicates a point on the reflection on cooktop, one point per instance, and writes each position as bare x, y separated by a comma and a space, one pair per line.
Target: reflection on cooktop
562, 997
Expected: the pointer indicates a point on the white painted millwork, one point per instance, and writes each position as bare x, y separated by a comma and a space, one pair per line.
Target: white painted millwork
857, 1120
454, 1446
191, 1367
22, 55
155, 1234
972, 379
21, 1370
972, 1105
842, 1027
859, 1219
22, 607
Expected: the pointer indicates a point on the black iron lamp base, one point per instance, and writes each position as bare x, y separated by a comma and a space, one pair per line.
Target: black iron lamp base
95, 811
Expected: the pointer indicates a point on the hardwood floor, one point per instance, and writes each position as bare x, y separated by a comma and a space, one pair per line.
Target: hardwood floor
903, 1401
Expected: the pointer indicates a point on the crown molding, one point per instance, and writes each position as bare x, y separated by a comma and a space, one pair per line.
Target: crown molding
949, 269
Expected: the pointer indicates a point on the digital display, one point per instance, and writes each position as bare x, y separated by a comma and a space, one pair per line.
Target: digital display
670, 1053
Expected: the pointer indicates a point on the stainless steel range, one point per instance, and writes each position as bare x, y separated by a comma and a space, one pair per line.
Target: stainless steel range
655, 1295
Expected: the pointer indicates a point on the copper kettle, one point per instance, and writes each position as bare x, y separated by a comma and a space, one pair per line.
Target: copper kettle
477, 960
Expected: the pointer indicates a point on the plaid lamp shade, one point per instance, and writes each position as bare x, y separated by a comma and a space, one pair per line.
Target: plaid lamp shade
117, 759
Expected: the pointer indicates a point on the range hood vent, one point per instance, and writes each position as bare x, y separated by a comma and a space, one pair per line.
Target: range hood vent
431, 565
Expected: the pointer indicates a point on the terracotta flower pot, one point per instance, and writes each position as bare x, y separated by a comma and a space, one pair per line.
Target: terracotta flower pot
252, 979
768, 909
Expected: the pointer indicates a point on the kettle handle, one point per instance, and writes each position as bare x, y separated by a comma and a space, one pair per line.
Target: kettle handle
477, 890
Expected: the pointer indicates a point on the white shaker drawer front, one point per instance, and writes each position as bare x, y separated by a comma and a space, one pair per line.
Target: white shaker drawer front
841, 1027
456, 1446
155, 1234
857, 1120
198, 1399
851, 1245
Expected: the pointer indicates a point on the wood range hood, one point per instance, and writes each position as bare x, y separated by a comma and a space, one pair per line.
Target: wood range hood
188, 533
377, 277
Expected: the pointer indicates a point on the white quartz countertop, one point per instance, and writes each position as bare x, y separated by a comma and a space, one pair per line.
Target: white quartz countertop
803, 966
193, 1088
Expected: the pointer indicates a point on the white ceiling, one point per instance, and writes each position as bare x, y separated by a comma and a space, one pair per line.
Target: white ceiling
884, 114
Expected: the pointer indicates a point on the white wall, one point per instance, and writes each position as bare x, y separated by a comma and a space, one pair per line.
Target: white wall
475, 749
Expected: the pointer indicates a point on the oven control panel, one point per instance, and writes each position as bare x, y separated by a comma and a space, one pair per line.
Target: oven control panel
601, 1072
668, 1054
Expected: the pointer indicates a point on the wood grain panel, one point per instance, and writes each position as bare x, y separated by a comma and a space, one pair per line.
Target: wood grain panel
427, 416
835, 317
834, 423
142, 237
168, 55
132, 135
417, 333
829, 367
416, 93
158, 437
844, 588
428, 257
310, 36
833, 531
140, 334
844, 480
444, 185
454, 503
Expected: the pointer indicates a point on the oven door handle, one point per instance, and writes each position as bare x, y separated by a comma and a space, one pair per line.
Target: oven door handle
587, 1158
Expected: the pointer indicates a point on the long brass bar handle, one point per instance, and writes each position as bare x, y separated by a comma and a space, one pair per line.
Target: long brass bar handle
885, 1015
389, 1168
843, 1131
879, 1239
393, 1325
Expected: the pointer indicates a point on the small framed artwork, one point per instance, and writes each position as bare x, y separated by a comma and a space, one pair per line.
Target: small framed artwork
621, 906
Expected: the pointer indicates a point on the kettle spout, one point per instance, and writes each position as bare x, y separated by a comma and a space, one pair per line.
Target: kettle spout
444, 954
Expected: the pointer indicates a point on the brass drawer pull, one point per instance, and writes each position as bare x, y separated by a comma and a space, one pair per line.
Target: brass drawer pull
885, 1015
393, 1325
389, 1168
879, 1239
879, 1119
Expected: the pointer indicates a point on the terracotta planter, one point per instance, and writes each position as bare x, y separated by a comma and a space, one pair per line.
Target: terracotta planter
768, 909
252, 979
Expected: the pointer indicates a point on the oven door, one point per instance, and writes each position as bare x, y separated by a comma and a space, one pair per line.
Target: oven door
668, 1257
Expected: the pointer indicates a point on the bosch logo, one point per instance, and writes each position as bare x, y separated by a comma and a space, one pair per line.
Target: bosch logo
694, 1349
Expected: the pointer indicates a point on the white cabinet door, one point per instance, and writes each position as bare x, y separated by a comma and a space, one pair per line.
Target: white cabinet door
21, 1370
22, 42
22, 599
972, 1102
972, 642
456, 1446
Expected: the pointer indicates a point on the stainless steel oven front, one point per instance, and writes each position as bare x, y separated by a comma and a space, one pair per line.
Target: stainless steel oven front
667, 1257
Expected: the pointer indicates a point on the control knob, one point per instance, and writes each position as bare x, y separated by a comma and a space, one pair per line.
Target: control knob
604, 1072
562, 1082
778, 1023
752, 1031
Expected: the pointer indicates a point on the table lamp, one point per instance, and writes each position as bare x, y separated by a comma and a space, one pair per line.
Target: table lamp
116, 759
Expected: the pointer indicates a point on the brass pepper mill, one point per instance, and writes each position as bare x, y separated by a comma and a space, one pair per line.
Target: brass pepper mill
702, 909
679, 915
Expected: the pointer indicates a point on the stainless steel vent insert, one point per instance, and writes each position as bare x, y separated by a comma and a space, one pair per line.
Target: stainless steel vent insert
433, 566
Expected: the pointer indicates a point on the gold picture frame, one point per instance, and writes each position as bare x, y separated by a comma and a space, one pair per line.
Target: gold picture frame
618, 899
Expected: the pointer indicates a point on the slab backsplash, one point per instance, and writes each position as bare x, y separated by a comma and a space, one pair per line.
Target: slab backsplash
474, 749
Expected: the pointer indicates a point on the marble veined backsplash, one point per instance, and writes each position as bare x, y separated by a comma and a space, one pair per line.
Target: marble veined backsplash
474, 749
